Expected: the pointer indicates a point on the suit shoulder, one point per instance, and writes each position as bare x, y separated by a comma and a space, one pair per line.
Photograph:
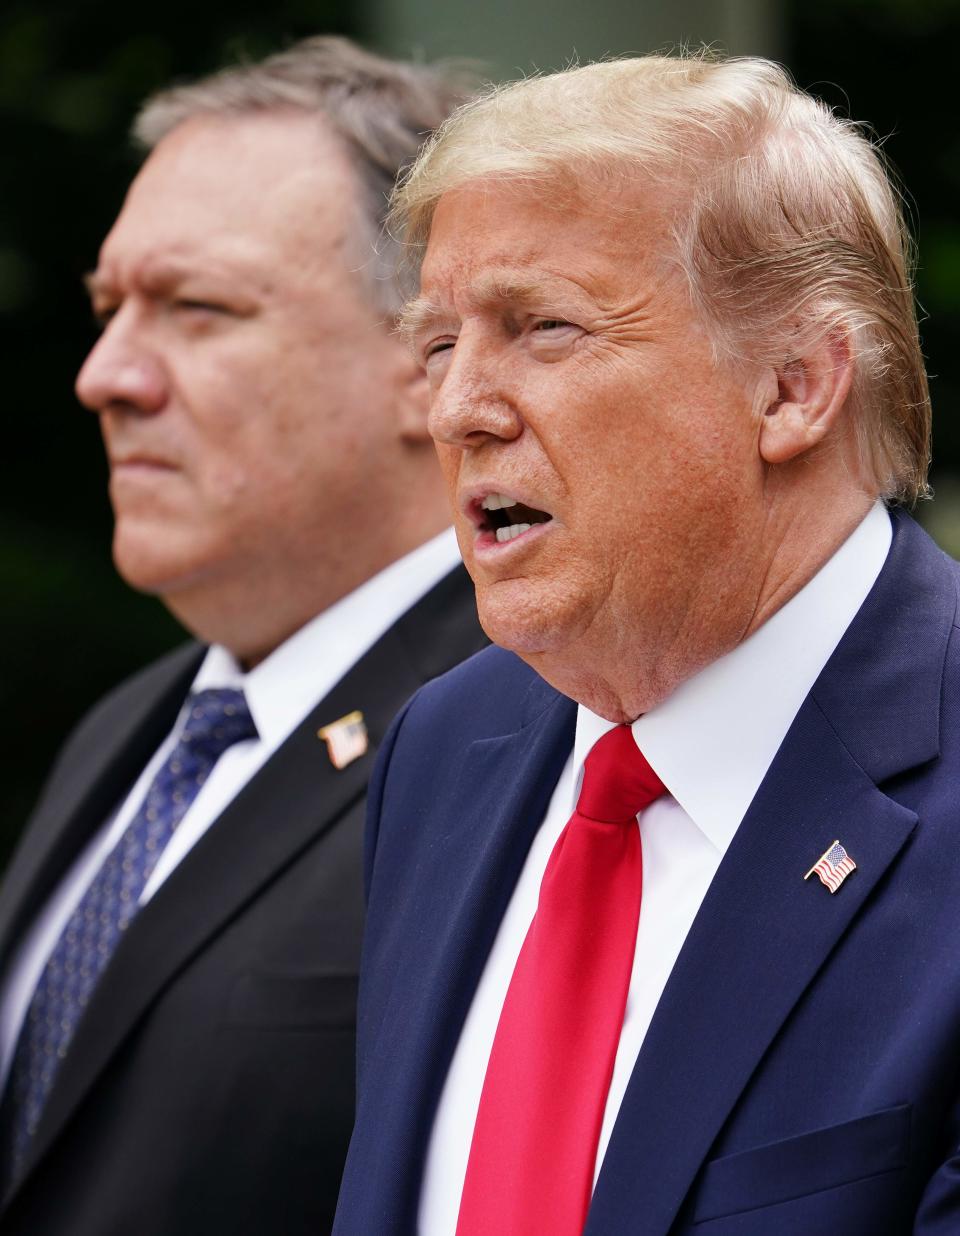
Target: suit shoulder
112, 709
489, 694
148, 680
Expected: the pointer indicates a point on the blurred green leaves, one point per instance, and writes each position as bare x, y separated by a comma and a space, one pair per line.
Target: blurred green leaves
938, 273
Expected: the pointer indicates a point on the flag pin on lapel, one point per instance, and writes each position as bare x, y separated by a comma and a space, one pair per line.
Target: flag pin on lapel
346, 739
832, 867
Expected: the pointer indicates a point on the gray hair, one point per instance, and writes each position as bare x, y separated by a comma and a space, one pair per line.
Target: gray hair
785, 222
380, 110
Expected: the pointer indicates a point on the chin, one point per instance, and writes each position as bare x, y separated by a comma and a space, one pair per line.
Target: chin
524, 625
145, 564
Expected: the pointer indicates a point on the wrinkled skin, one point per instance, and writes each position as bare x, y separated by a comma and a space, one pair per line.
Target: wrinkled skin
265, 430
687, 498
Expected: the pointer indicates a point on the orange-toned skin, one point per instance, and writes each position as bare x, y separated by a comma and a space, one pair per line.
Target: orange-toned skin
689, 499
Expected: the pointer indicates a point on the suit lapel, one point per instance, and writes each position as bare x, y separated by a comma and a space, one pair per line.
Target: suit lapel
760, 937
762, 932
510, 780
295, 797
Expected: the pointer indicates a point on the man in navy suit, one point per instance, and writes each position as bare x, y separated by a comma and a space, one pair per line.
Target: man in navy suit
678, 397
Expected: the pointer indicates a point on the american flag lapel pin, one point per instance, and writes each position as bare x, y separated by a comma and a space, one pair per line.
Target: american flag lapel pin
346, 739
832, 867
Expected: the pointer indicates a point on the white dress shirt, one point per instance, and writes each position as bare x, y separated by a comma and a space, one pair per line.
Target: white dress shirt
280, 692
711, 743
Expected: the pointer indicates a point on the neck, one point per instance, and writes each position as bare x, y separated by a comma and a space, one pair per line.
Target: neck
252, 614
624, 671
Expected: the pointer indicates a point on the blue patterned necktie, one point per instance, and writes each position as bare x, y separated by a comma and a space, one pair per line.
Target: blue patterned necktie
217, 719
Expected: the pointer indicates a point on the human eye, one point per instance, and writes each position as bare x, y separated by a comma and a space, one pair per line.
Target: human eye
196, 304
201, 314
434, 351
552, 336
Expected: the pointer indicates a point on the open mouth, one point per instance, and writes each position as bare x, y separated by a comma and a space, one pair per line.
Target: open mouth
505, 518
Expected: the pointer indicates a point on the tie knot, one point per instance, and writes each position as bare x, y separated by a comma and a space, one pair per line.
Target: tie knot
617, 781
217, 719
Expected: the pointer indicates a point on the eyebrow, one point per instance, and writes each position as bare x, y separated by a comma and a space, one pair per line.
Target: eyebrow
163, 273
416, 315
423, 312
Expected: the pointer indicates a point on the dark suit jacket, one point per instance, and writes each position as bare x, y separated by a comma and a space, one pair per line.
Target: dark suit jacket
209, 1088
800, 1075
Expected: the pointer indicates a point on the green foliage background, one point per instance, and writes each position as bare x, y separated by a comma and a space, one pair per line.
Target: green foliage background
71, 78
882, 61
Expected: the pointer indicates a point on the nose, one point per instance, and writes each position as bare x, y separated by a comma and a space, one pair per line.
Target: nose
472, 403
122, 373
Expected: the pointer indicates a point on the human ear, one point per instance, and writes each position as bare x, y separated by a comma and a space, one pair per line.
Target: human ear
812, 389
413, 403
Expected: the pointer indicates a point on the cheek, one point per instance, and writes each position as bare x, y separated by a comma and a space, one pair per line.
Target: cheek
250, 434
227, 483
450, 458
236, 470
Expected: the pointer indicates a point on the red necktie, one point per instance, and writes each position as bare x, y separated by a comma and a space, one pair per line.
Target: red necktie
534, 1145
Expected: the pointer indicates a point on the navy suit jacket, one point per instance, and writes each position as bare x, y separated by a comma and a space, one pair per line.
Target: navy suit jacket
801, 1074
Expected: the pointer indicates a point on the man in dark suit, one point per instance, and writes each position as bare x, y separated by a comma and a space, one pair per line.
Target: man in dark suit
180, 927
664, 893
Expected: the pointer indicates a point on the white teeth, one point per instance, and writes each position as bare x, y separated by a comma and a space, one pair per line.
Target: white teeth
496, 502
507, 534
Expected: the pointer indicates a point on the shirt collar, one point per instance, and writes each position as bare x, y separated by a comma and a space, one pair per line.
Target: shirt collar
283, 688
712, 741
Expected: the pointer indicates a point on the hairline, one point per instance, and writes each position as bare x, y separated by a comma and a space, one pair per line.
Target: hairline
363, 234
487, 138
377, 109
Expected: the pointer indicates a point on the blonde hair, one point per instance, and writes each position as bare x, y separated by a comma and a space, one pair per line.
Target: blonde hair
380, 110
787, 225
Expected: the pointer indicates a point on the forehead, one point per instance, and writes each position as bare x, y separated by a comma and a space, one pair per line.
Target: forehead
492, 240
255, 188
